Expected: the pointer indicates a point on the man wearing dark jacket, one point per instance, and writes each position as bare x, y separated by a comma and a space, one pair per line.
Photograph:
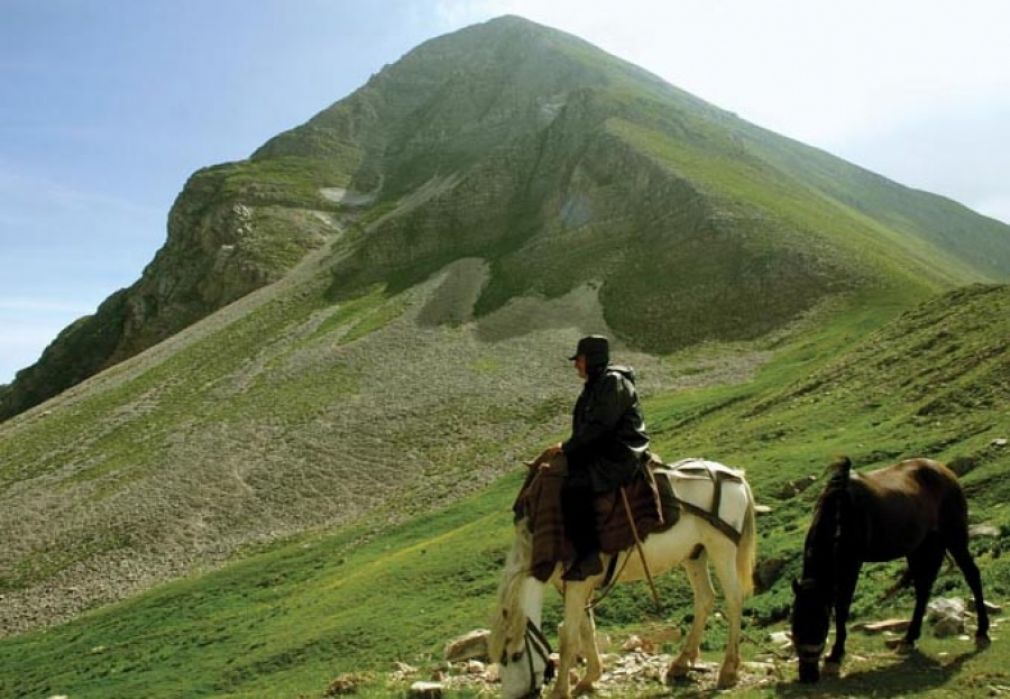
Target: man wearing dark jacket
607, 448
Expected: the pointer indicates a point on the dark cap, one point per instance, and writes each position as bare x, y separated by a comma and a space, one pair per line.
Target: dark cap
595, 348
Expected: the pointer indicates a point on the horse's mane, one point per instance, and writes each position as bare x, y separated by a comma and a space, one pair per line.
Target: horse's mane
509, 621
819, 548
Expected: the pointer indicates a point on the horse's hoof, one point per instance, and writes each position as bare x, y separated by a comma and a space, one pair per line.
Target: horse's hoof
982, 642
809, 673
727, 679
831, 669
676, 673
583, 688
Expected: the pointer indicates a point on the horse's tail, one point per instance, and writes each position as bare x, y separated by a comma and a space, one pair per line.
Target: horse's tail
746, 550
509, 621
953, 506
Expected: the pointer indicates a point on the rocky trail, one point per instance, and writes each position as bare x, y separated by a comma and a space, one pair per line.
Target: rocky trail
635, 665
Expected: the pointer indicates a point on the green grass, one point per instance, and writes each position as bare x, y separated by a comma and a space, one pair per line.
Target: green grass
292, 181
787, 211
283, 621
287, 619
379, 318
927, 384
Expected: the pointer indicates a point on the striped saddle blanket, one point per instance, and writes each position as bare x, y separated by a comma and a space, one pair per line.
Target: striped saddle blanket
539, 503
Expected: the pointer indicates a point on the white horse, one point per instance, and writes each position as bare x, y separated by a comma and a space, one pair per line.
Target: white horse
728, 540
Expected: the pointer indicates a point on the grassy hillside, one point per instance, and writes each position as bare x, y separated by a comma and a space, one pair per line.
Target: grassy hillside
286, 619
282, 413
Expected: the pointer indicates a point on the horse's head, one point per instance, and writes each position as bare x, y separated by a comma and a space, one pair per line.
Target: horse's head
516, 643
525, 665
810, 620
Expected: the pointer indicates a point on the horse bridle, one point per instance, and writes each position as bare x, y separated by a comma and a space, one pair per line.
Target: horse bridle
535, 641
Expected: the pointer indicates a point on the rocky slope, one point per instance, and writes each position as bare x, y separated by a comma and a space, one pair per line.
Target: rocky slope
220, 247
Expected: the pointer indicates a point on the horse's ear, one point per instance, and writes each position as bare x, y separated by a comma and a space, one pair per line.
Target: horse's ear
841, 467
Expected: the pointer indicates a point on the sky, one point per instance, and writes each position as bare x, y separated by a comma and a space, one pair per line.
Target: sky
107, 107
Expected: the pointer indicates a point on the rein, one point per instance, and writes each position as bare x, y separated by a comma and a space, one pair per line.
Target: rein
610, 581
534, 640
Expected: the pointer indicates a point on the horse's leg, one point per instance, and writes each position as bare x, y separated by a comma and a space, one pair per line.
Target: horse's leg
924, 564
848, 576
704, 599
594, 668
577, 594
724, 562
958, 548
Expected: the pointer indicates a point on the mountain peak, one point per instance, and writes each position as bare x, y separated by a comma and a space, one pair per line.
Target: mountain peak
562, 169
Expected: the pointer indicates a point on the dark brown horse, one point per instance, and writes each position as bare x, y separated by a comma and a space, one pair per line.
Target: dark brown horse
914, 509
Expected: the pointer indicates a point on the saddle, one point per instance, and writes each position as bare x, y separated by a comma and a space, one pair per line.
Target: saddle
539, 503
689, 485
695, 486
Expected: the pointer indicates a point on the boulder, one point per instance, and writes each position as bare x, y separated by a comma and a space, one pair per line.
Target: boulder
894, 625
989, 606
781, 638
470, 646
638, 644
346, 683
946, 616
402, 671
983, 531
766, 572
633, 643
425, 690
794, 488
761, 668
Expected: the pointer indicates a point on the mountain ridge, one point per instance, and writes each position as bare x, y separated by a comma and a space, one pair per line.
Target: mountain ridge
514, 117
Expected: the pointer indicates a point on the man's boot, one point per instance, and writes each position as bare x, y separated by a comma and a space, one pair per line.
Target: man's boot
585, 566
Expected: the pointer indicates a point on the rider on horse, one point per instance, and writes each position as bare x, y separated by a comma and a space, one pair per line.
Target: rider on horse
608, 446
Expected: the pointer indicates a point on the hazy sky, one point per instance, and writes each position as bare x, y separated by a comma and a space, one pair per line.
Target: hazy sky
107, 106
